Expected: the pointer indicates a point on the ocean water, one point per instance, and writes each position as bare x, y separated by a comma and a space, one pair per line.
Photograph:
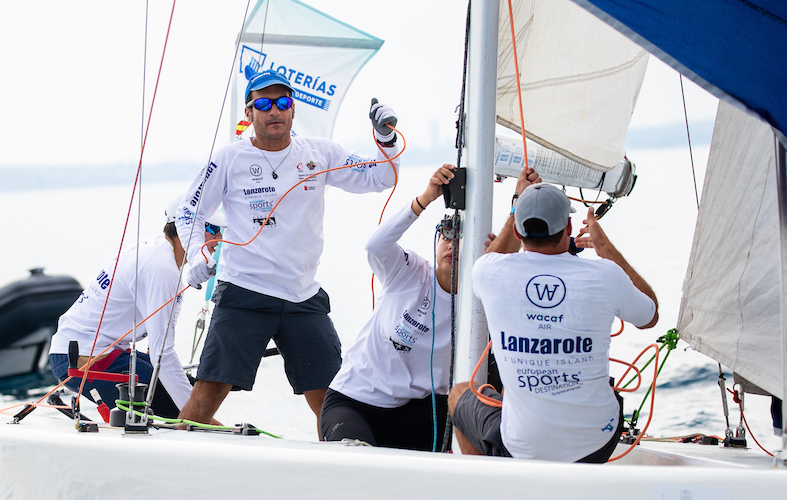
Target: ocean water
75, 231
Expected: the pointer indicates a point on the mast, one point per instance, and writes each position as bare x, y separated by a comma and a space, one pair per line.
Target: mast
781, 182
476, 222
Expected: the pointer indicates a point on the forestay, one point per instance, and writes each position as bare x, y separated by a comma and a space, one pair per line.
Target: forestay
580, 80
730, 306
318, 54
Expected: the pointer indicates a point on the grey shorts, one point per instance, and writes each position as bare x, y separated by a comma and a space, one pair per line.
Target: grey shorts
480, 423
244, 321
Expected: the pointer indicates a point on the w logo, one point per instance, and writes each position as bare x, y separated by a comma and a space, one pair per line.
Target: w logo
546, 291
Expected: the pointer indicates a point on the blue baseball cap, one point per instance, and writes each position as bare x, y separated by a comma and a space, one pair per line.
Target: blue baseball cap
266, 79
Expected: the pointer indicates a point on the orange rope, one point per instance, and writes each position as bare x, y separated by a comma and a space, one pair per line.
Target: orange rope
619, 331
483, 397
518, 85
585, 201
652, 399
631, 366
737, 399
396, 183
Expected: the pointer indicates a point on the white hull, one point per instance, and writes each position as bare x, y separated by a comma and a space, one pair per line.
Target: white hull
44, 457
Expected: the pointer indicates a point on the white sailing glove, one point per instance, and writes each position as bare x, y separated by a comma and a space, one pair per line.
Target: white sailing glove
382, 115
200, 273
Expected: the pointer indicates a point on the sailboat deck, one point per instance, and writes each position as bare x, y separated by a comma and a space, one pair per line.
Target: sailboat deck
201, 465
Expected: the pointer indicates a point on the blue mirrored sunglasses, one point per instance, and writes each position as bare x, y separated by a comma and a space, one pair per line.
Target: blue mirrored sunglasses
212, 228
264, 103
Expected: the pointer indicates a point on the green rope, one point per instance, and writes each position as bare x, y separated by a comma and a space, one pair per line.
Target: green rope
123, 405
668, 340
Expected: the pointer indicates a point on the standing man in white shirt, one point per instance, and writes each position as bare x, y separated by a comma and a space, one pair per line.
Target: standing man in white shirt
267, 289
550, 314
146, 277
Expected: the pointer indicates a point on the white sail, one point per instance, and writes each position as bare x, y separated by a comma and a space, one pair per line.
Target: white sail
730, 306
318, 54
580, 80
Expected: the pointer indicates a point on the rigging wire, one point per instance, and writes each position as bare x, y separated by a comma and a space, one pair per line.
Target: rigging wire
688, 136
434, 334
460, 134
157, 366
133, 345
131, 202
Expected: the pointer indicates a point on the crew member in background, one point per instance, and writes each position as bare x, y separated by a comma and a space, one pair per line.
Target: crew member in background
550, 315
382, 394
267, 289
157, 266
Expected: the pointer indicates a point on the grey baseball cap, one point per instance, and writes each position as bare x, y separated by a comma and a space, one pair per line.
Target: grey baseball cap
544, 202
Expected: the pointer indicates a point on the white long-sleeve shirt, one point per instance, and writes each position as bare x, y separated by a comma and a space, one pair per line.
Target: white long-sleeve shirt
158, 282
389, 363
282, 260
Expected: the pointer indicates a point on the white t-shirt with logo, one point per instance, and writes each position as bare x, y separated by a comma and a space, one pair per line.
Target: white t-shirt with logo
158, 283
392, 358
550, 318
249, 183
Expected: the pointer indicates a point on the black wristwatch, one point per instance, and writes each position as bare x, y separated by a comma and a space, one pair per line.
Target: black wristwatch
573, 249
388, 144
513, 201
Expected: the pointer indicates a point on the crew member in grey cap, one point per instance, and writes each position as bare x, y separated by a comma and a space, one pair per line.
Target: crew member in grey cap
550, 314
267, 288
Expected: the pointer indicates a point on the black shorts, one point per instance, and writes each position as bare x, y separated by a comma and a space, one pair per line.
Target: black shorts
410, 426
480, 424
243, 323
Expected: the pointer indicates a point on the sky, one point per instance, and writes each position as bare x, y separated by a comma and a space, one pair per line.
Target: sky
72, 78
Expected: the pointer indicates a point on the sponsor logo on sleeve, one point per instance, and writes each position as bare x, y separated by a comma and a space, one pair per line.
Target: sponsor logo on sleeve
185, 219
353, 159
210, 168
